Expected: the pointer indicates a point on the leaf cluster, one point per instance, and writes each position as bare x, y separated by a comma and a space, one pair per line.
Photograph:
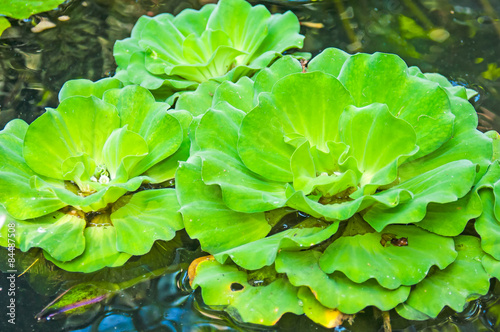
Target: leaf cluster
317, 190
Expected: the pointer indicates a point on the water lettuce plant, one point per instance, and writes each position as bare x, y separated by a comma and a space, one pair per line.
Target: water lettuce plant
220, 42
24, 9
88, 182
379, 166
273, 154
318, 190
488, 224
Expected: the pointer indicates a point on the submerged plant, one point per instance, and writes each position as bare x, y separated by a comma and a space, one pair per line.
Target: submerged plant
88, 181
223, 41
379, 158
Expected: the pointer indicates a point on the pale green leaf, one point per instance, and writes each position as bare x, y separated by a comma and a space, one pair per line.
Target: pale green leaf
367, 256
462, 281
226, 285
336, 291
150, 215
100, 251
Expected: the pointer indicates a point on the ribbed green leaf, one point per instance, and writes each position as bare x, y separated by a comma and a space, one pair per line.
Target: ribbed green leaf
80, 125
87, 88
121, 152
15, 190
100, 251
46, 232
444, 184
151, 214
358, 75
462, 281
226, 285
336, 291
242, 189
208, 219
377, 151
372, 255
260, 253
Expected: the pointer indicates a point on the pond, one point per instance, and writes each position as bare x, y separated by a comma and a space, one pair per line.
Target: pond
459, 39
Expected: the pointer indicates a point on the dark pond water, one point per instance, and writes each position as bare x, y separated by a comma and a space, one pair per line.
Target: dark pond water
460, 39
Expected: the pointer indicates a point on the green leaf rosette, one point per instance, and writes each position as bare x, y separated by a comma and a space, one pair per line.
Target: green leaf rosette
241, 94
384, 163
354, 134
219, 42
88, 181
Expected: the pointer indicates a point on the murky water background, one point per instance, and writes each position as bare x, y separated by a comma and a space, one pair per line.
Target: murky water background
459, 38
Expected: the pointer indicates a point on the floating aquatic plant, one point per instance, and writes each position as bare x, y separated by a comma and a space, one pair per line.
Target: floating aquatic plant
223, 41
88, 181
25, 8
488, 224
318, 142
384, 163
318, 190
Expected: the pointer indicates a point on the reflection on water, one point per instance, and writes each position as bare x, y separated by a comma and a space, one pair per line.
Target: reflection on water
460, 39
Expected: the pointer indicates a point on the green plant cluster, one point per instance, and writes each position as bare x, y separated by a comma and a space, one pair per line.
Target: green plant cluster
219, 42
365, 172
317, 189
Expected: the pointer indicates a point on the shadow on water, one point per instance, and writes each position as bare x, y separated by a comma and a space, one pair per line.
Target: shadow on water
460, 39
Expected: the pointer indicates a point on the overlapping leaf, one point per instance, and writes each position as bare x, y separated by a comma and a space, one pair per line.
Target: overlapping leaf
224, 41
336, 291
15, 175
149, 215
370, 255
64, 175
226, 285
24, 9
100, 251
260, 253
352, 135
208, 219
464, 280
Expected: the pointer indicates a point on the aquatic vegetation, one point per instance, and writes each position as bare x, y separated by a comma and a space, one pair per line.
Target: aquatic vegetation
317, 188
383, 163
88, 181
279, 155
25, 8
221, 42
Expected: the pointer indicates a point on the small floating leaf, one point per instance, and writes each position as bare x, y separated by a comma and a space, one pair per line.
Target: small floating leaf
100, 251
